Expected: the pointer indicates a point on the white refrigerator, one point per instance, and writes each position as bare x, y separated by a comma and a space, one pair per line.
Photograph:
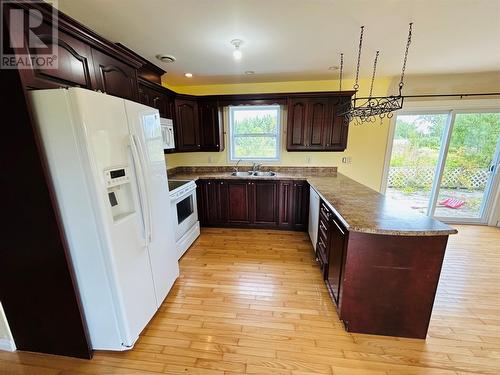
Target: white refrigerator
107, 166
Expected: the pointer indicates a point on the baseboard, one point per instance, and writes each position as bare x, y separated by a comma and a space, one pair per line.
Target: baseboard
8, 345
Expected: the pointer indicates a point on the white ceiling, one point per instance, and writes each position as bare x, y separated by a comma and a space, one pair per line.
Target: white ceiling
298, 39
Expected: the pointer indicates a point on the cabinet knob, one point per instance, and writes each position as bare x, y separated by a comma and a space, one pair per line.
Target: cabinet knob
222, 183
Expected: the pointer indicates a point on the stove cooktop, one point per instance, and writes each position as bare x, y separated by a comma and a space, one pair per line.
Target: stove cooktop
174, 184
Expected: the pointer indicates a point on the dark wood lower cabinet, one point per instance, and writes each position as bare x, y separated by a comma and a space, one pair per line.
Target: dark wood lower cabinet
265, 203
293, 205
253, 203
381, 284
238, 198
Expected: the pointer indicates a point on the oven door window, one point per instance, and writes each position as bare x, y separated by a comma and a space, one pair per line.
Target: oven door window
184, 209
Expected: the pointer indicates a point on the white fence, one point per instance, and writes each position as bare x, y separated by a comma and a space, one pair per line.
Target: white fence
421, 177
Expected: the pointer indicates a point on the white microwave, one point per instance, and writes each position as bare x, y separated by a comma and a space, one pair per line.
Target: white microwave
167, 133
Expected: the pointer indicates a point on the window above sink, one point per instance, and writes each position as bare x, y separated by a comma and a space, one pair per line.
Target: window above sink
255, 133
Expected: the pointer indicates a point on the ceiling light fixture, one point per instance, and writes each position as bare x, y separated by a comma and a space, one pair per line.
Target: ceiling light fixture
167, 59
367, 109
188, 75
333, 67
237, 52
249, 72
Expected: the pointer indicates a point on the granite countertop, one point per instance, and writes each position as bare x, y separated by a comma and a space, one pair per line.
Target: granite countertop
360, 208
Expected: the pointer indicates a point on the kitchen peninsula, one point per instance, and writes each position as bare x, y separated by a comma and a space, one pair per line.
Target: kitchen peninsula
380, 261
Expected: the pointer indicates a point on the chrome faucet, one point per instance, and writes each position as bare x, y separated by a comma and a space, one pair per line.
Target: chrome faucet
256, 167
235, 168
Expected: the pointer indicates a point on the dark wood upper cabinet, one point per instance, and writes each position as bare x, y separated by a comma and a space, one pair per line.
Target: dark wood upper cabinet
187, 125
114, 77
211, 126
318, 118
313, 125
74, 62
296, 124
157, 97
336, 139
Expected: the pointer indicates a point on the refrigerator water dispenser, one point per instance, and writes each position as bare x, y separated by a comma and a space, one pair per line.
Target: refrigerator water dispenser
119, 191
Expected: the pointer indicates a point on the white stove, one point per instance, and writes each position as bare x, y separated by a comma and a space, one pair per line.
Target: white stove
185, 213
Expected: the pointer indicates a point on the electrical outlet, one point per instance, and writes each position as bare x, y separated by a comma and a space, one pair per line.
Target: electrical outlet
346, 160
308, 160
210, 160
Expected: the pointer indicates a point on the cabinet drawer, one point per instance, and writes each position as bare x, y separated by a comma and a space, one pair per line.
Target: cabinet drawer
322, 249
325, 212
322, 260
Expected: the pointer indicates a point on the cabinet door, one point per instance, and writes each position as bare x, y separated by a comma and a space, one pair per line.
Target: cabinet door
318, 118
286, 204
336, 136
201, 201
74, 61
217, 202
144, 95
335, 257
212, 202
297, 124
187, 125
211, 131
114, 77
300, 205
238, 193
265, 203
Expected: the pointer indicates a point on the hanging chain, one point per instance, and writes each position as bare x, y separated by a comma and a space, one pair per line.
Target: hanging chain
341, 70
374, 70
356, 85
408, 42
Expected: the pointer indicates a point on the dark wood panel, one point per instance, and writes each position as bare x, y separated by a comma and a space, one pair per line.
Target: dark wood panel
297, 126
37, 289
337, 243
300, 205
239, 202
211, 126
187, 125
265, 203
318, 118
337, 133
389, 283
286, 203
74, 60
114, 77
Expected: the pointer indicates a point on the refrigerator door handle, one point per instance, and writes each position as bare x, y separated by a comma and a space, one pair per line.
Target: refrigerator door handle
140, 187
143, 168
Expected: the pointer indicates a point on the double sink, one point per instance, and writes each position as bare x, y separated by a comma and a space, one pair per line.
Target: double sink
253, 174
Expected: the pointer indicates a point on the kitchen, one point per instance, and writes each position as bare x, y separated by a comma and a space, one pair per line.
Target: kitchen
170, 214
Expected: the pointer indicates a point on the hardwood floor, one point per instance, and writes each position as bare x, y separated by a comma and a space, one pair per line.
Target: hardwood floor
252, 301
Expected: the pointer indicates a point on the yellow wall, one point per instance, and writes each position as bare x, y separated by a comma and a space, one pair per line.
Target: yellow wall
366, 144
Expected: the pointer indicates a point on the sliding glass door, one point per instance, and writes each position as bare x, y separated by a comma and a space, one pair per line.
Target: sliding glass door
443, 164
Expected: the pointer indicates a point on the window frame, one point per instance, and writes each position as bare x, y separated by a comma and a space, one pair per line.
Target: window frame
277, 135
451, 108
